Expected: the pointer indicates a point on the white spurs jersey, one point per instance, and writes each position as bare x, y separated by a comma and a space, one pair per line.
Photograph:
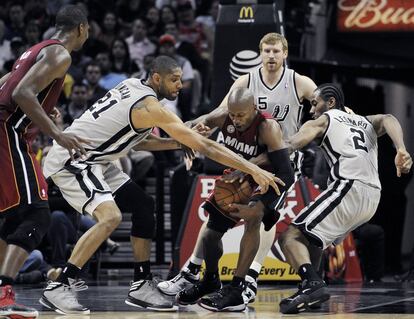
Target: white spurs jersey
107, 125
281, 101
351, 149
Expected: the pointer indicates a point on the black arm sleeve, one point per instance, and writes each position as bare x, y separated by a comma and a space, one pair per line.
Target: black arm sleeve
282, 168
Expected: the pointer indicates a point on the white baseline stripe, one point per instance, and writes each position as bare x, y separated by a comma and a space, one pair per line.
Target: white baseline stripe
383, 304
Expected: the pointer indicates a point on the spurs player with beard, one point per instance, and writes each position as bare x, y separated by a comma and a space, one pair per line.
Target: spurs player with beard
123, 119
278, 91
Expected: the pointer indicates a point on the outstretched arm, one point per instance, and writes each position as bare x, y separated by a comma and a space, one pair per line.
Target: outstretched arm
155, 143
388, 124
307, 133
150, 113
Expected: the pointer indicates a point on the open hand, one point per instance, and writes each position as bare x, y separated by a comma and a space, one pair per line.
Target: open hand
265, 179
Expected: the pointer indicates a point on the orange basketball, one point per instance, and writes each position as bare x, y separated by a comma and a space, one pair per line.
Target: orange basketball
229, 193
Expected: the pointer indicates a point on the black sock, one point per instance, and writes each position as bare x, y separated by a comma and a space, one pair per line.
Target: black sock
306, 271
211, 276
238, 282
5, 281
69, 271
253, 273
193, 268
141, 270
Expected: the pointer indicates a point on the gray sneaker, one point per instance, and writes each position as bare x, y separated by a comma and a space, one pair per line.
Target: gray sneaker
62, 298
144, 294
182, 281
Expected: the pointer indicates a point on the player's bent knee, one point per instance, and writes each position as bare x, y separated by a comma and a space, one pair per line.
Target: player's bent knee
108, 214
31, 231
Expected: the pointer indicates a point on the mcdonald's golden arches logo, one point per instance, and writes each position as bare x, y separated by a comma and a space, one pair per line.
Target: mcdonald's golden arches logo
246, 15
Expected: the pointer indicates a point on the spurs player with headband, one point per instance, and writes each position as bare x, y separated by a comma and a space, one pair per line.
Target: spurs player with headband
123, 119
349, 143
278, 91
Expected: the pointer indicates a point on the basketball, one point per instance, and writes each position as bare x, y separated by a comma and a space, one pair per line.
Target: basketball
229, 193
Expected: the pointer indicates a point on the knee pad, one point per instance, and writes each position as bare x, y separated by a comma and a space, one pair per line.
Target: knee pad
32, 229
143, 219
131, 198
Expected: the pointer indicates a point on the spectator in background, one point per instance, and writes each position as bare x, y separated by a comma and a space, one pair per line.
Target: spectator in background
121, 61
78, 103
184, 100
79, 61
109, 79
154, 26
127, 11
5, 50
15, 24
208, 22
92, 77
32, 33
138, 43
168, 15
110, 29
17, 47
188, 51
192, 31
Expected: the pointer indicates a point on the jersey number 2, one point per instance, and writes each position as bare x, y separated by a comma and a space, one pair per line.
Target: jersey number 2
103, 104
359, 140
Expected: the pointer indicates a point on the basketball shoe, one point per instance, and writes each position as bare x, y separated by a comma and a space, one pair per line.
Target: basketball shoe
251, 289
310, 293
184, 280
229, 298
144, 294
191, 295
10, 309
62, 298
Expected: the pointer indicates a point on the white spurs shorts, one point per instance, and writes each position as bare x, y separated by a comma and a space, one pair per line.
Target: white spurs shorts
342, 207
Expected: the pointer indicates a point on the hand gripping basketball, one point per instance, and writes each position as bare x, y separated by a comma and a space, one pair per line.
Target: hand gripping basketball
231, 193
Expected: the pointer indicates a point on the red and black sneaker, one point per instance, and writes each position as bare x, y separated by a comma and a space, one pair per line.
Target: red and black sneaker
10, 309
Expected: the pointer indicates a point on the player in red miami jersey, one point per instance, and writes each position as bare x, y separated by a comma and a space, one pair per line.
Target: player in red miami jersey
28, 95
256, 137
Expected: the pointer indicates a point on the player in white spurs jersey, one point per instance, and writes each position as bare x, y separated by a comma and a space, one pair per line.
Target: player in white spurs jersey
349, 142
122, 120
278, 91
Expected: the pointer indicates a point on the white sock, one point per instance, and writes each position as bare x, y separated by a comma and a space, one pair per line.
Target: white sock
195, 260
256, 267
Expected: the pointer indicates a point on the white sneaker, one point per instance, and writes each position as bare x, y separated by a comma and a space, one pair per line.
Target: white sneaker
182, 281
250, 291
144, 294
62, 298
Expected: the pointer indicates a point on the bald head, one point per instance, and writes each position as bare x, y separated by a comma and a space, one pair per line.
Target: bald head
241, 108
242, 97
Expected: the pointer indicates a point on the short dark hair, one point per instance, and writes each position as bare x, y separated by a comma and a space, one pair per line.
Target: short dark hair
79, 83
163, 65
69, 17
328, 90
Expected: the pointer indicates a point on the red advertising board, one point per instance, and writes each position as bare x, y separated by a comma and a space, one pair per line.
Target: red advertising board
375, 16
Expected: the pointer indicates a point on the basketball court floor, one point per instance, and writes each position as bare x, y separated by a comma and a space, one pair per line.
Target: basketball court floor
106, 300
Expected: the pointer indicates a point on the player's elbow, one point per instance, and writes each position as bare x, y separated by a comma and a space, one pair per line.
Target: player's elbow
19, 94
